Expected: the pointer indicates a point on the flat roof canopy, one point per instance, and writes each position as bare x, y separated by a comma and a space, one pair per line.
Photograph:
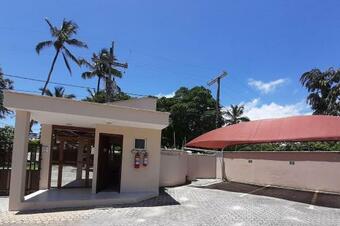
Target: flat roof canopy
297, 128
62, 111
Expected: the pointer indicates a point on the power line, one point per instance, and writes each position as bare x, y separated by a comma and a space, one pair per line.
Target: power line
55, 83
62, 84
133, 51
155, 57
189, 74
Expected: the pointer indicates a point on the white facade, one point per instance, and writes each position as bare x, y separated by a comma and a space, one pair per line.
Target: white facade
132, 119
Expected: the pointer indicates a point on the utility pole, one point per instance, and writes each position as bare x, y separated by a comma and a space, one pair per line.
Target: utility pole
217, 80
110, 80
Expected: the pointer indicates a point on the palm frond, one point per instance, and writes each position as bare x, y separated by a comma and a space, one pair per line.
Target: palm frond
244, 119
71, 56
76, 42
42, 45
115, 72
88, 74
53, 30
47, 92
83, 61
69, 96
92, 92
59, 91
67, 64
69, 28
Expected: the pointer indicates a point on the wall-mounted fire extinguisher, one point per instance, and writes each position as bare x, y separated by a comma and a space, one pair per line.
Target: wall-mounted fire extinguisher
145, 159
137, 160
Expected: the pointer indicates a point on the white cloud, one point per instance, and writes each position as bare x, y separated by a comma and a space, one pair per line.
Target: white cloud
169, 95
266, 87
254, 110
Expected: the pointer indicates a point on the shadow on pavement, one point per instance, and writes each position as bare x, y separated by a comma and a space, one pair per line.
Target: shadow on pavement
164, 199
313, 198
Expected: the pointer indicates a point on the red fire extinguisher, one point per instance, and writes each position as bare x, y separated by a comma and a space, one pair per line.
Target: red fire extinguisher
145, 159
137, 160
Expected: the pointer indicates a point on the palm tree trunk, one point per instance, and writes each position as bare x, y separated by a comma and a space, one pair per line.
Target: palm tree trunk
108, 84
50, 72
98, 84
47, 81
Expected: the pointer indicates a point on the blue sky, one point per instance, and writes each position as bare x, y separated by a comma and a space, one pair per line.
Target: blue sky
264, 45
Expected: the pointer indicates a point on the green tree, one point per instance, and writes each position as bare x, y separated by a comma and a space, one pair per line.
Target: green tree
59, 92
4, 84
234, 115
192, 113
100, 97
288, 146
62, 37
324, 91
7, 134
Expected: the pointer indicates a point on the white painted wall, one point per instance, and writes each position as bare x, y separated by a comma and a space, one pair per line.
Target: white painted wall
174, 167
305, 175
201, 166
144, 179
311, 171
177, 166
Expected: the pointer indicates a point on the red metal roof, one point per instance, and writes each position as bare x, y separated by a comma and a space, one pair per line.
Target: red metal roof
297, 128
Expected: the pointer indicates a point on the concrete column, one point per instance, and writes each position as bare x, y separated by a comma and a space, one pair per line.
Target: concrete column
19, 159
95, 161
46, 142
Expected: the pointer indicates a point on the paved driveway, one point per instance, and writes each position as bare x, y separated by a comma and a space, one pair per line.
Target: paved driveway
195, 204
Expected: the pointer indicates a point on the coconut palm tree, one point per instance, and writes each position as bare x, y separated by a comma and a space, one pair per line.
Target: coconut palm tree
103, 66
59, 91
111, 73
62, 37
96, 69
234, 115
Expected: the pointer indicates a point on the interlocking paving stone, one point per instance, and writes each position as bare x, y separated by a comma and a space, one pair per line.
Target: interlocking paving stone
190, 205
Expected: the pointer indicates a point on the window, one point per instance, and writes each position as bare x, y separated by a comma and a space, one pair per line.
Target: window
140, 144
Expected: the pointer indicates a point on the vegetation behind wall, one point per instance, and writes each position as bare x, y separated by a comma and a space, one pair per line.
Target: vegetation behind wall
289, 146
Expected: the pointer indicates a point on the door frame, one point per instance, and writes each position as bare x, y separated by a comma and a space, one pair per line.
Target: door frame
99, 158
55, 129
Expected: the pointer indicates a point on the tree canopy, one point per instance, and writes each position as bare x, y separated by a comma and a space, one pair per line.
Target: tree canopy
234, 115
59, 91
323, 91
101, 96
288, 146
103, 67
192, 113
7, 134
62, 38
4, 84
